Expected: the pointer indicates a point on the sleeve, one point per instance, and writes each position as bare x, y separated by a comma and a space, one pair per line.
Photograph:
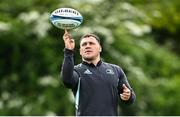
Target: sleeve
68, 75
123, 80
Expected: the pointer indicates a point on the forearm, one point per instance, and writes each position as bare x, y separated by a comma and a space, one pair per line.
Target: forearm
67, 73
123, 80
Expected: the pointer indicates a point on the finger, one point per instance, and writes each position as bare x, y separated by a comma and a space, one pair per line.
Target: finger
65, 33
124, 86
66, 36
65, 30
72, 40
123, 97
126, 91
69, 36
126, 94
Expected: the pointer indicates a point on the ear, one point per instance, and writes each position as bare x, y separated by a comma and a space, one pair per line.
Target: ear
80, 51
100, 49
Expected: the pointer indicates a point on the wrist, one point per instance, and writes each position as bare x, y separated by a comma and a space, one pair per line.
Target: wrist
68, 51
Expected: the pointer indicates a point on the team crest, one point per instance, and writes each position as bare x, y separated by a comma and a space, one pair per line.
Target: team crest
109, 71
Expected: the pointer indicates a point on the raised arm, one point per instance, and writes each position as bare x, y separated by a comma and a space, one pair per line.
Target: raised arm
68, 75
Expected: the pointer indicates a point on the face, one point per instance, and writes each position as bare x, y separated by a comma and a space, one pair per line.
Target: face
90, 48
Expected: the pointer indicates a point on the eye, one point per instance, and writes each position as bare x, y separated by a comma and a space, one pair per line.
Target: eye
84, 44
91, 43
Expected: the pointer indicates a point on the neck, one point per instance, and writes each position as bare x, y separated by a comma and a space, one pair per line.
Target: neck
95, 61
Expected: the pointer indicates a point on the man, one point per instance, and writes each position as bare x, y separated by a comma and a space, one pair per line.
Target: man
98, 85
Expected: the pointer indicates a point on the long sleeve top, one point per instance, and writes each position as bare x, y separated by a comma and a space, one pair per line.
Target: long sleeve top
100, 88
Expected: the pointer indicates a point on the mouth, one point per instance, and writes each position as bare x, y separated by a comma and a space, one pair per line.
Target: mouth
87, 51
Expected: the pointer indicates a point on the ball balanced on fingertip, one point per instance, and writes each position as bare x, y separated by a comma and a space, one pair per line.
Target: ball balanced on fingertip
66, 18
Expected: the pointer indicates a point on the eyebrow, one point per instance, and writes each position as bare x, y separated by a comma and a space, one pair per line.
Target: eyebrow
90, 35
87, 42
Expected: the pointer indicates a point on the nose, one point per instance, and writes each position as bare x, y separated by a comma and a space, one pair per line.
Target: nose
88, 45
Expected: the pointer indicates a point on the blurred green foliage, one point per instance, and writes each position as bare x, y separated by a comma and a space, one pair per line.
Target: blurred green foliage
140, 36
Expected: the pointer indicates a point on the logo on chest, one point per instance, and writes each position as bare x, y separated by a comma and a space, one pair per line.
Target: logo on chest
87, 71
109, 71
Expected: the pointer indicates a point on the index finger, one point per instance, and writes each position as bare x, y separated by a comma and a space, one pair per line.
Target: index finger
65, 34
124, 86
65, 30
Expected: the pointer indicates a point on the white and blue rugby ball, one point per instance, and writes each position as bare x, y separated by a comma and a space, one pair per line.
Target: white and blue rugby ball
66, 18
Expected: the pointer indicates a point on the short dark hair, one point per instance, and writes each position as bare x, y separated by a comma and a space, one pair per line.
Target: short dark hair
90, 35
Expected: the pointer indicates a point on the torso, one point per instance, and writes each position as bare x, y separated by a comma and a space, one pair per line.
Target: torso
98, 91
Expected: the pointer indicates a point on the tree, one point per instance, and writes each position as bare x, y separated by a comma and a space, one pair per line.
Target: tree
139, 36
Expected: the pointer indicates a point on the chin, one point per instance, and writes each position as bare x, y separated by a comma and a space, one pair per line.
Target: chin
88, 58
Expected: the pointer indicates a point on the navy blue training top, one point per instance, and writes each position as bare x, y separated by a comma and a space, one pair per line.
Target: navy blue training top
100, 87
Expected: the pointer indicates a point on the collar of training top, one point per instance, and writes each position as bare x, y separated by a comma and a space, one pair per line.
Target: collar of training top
91, 64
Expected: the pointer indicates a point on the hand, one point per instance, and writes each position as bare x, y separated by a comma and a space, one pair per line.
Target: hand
68, 41
126, 93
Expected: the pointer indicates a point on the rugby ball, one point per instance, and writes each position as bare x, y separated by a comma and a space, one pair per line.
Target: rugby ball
66, 18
